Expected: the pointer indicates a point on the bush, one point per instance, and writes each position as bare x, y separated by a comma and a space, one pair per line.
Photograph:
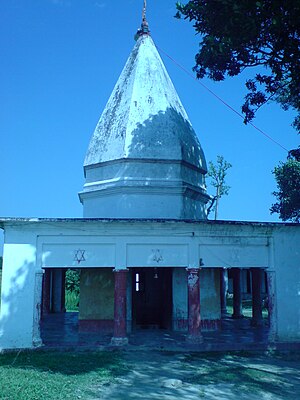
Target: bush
72, 287
73, 280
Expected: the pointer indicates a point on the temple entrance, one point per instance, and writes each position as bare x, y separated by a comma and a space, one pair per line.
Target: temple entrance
152, 298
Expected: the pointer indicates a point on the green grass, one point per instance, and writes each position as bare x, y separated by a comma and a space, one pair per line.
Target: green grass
247, 308
57, 375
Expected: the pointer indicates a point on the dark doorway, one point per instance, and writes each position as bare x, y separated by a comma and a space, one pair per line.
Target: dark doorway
53, 293
152, 297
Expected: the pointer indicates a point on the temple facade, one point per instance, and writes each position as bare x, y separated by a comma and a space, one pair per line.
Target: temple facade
147, 255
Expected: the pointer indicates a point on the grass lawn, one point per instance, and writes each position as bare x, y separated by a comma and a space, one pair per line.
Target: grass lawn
57, 375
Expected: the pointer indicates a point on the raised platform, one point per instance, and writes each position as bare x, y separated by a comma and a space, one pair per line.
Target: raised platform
62, 331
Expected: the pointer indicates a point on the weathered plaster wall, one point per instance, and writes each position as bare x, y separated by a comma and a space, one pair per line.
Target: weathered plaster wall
18, 290
143, 131
128, 204
34, 244
180, 299
210, 294
209, 298
286, 263
96, 294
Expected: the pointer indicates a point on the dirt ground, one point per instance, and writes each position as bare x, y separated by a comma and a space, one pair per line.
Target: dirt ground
167, 375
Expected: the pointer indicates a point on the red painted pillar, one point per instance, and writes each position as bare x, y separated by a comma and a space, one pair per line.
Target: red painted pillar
257, 319
120, 337
194, 317
46, 291
237, 294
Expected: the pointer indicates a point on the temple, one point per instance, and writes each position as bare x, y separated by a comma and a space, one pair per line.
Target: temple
147, 255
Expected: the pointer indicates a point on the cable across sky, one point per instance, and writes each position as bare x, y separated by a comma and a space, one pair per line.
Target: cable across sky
220, 99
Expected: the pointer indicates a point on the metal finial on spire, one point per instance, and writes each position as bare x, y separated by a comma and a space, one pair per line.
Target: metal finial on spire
144, 11
144, 29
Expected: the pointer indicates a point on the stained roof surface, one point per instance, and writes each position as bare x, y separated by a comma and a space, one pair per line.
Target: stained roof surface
144, 117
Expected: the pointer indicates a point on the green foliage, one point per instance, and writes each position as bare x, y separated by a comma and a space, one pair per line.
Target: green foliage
238, 34
73, 280
71, 301
287, 176
72, 291
217, 173
1, 262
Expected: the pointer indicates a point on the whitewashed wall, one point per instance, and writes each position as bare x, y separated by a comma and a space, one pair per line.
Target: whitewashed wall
33, 245
18, 290
286, 263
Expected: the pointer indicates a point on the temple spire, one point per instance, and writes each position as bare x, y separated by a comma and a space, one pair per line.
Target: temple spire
144, 29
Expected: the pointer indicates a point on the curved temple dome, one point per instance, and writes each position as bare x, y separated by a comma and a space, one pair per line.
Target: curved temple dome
144, 159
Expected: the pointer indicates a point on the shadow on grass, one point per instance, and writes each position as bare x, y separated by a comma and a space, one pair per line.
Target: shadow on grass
67, 363
276, 374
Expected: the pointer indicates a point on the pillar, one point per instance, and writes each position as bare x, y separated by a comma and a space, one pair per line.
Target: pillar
223, 290
63, 290
256, 276
194, 316
38, 284
237, 294
58, 289
272, 311
46, 291
120, 337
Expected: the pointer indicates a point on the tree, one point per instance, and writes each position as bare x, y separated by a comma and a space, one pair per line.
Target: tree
217, 172
287, 176
73, 280
239, 34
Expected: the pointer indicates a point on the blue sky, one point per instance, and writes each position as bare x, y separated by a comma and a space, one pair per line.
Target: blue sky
60, 60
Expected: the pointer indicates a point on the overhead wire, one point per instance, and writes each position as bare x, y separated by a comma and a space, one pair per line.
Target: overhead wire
220, 99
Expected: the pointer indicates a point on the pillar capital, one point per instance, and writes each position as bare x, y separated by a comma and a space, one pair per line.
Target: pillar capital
270, 271
193, 270
120, 270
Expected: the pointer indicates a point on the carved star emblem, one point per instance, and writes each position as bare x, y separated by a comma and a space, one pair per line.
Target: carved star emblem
79, 256
157, 256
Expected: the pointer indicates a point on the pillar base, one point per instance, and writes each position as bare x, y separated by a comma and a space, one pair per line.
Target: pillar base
237, 316
194, 339
37, 343
272, 337
118, 341
257, 322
